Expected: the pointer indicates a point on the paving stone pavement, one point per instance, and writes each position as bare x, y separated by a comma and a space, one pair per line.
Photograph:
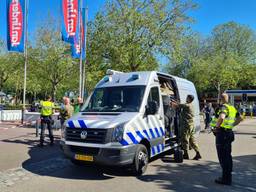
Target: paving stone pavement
13, 176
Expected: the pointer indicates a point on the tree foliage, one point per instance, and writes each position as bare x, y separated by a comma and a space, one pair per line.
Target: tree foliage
224, 60
128, 34
131, 35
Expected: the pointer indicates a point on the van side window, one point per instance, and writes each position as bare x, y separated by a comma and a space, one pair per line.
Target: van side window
154, 95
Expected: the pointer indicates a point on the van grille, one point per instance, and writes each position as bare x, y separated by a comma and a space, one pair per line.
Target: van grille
93, 135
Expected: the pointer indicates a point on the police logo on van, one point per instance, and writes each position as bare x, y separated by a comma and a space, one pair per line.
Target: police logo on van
83, 135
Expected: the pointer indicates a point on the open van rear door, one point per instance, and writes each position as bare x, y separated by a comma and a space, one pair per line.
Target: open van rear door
186, 88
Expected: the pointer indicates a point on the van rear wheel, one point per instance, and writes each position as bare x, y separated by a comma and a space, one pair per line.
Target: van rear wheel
140, 161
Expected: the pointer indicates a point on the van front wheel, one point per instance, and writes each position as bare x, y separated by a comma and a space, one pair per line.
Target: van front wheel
140, 161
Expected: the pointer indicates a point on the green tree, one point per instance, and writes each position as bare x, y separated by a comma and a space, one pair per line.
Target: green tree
227, 60
11, 72
53, 65
234, 38
186, 50
214, 73
128, 35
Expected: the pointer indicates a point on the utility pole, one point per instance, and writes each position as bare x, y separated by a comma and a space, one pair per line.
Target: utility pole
81, 50
85, 45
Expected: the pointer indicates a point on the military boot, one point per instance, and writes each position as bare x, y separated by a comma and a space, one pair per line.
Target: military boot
198, 156
222, 181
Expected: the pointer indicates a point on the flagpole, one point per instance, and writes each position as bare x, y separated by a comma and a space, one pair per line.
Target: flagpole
26, 60
85, 41
81, 50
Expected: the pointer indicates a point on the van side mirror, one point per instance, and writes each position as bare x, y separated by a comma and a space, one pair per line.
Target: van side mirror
152, 108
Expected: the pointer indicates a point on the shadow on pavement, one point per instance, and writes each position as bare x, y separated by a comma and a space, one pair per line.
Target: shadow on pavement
30, 142
50, 161
200, 177
167, 175
195, 176
27, 140
245, 133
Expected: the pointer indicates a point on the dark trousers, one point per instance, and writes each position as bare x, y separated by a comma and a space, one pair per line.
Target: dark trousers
207, 120
224, 149
46, 121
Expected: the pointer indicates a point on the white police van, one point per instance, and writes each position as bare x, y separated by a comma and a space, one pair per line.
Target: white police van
123, 122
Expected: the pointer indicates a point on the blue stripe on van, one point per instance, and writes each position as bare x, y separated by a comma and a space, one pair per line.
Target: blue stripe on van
124, 142
153, 151
146, 133
162, 131
71, 124
162, 147
82, 124
152, 133
158, 149
157, 132
132, 138
140, 135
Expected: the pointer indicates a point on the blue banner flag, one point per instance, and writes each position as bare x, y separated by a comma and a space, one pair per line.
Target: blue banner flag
70, 19
79, 39
15, 25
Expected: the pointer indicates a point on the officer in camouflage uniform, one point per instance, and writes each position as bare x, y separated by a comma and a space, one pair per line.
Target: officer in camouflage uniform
66, 111
186, 122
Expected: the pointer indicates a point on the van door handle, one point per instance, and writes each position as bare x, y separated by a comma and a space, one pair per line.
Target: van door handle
160, 118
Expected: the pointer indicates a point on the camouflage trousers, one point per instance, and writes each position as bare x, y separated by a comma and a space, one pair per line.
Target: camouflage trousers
188, 139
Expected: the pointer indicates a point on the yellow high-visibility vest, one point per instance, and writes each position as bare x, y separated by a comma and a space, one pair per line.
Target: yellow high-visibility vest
47, 108
230, 119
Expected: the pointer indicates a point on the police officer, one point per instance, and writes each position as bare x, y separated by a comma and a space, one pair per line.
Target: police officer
226, 117
187, 124
47, 109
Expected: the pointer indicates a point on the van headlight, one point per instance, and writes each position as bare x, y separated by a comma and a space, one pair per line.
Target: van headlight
118, 133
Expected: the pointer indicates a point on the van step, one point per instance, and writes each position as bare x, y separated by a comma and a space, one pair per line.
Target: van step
170, 146
170, 138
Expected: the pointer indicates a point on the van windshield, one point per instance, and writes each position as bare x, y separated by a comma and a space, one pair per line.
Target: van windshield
116, 99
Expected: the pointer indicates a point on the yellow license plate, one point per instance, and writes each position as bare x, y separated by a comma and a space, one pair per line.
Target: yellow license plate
83, 157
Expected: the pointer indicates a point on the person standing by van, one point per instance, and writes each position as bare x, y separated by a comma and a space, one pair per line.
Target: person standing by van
66, 111
47, 110
188, 129
78, 105
208, 112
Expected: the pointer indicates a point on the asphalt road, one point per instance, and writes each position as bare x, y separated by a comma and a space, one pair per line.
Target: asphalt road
25, 167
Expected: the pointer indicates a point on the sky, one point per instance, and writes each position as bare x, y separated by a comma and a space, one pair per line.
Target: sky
208, 14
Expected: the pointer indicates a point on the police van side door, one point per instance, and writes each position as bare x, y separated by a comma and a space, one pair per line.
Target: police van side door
154, 122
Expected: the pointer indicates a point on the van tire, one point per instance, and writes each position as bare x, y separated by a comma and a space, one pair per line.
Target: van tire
140, 161
178, 155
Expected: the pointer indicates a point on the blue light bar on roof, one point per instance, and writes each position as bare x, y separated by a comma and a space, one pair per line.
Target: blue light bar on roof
135, 76
106, 79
